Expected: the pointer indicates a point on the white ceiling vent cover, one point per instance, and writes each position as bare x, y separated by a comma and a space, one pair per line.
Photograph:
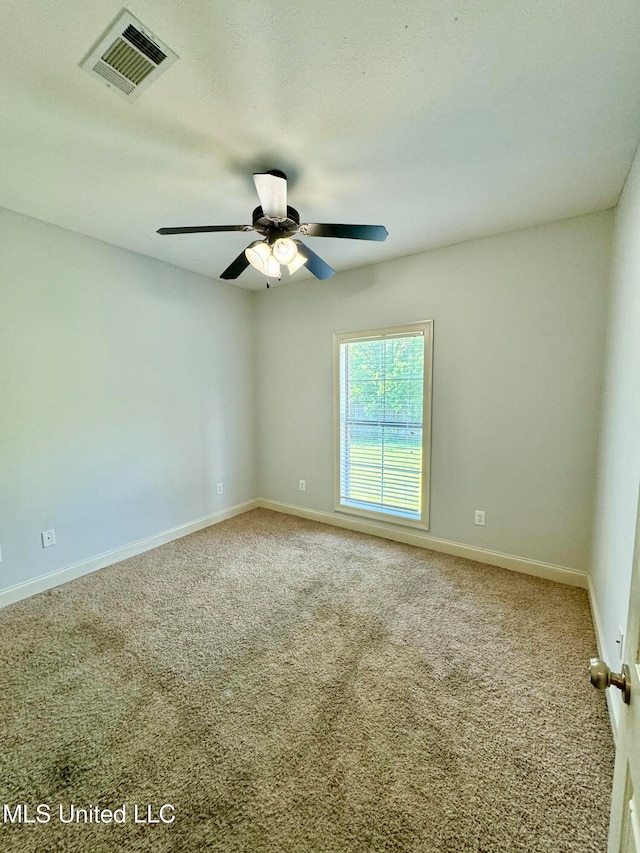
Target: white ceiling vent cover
128, 58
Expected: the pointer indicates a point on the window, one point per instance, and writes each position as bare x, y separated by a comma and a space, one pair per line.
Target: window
383, 419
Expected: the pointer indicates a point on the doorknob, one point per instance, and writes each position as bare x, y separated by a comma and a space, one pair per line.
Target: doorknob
602, 677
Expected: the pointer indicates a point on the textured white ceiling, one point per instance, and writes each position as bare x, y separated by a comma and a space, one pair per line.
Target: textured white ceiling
442, 120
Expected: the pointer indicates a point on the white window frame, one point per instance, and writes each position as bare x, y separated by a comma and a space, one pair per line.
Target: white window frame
425, 327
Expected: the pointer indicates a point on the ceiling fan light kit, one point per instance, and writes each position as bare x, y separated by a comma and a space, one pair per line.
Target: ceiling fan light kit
268, 259
299, 261
284, 250
278, 222
259, 256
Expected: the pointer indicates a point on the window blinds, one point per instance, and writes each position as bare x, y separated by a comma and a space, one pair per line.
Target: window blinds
381, 423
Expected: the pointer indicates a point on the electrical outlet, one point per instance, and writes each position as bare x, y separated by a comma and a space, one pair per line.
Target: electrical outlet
303, 485
479, 517
220, 488
48, 538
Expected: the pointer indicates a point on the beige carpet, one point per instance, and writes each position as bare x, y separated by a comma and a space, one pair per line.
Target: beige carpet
292, 687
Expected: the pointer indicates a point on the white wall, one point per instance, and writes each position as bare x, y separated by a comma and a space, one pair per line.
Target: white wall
519, 328
619, 459
123, 397
127, 388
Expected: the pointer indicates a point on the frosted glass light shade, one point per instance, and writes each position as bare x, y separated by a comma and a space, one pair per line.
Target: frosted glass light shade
296, 263
259, 256
272, 268
284, 250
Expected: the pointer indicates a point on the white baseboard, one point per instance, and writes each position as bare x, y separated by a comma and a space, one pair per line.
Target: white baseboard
561, 574
612, 696
408, 537
39, 584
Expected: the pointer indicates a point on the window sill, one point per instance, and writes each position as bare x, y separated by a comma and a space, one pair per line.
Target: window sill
389, 517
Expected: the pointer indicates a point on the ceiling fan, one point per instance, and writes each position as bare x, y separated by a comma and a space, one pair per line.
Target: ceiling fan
277, 222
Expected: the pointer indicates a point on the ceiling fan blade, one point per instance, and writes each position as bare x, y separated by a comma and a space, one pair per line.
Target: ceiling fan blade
236, 267
198, 229
314, 263
272, 192
351, 232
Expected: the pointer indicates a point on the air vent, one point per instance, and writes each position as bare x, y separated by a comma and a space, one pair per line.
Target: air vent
128, 57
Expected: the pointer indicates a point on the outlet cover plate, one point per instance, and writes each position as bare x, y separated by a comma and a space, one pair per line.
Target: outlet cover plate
48, 538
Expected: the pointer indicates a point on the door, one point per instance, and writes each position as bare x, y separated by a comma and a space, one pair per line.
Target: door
624, 830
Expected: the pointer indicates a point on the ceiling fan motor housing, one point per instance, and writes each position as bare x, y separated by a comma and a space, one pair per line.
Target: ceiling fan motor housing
273, 228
